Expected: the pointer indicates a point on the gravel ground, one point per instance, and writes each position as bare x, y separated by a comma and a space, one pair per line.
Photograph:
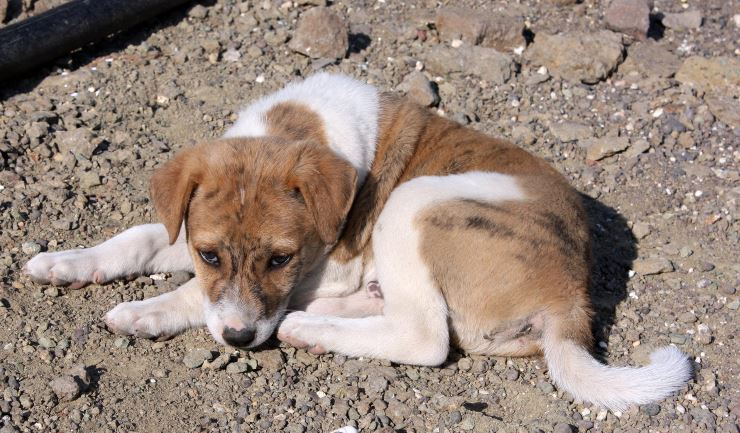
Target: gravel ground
647, 129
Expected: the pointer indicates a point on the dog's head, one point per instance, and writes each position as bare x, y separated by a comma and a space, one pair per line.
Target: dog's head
259, 214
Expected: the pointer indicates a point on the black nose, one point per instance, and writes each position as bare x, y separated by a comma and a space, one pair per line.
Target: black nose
238, 337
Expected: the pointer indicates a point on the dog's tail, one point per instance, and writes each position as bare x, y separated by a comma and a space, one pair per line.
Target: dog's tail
574, 370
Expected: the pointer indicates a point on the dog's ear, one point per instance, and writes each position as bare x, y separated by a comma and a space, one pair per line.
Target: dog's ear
171, 188
327, 184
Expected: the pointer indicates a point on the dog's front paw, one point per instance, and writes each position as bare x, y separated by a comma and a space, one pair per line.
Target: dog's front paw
143, 319
303, 331
75, 268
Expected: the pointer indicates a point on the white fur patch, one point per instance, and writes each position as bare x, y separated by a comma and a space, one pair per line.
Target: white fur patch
574, 369
347, 107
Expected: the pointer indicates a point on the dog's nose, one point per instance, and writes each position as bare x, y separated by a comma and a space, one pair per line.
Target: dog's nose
238, 337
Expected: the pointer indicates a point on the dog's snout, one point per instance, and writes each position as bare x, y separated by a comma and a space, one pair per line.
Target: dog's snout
238, 337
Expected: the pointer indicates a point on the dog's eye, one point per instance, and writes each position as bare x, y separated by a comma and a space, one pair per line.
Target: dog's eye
209, 257
281, 260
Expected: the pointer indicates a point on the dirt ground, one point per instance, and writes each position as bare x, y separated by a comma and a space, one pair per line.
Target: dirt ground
652, 145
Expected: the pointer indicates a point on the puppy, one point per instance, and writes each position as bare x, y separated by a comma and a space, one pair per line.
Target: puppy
328, 187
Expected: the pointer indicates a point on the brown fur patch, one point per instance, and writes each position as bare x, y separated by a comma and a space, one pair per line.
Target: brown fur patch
294, 121
498, 265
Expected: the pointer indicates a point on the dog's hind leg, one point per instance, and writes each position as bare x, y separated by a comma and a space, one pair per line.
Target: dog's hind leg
414, 326
140, 249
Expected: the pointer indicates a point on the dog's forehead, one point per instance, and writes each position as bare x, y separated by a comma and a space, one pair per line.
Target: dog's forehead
259, 213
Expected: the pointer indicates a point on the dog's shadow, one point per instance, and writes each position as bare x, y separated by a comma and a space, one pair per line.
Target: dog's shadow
613, 249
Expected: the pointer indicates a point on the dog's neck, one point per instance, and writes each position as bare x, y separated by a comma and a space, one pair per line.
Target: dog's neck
347, 108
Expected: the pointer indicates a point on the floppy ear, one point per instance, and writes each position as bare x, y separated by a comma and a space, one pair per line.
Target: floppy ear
327, 184
171, 187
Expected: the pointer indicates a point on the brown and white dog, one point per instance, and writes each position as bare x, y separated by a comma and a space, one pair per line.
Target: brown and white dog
329, 187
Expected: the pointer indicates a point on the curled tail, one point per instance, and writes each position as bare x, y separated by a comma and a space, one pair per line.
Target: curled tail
574, 370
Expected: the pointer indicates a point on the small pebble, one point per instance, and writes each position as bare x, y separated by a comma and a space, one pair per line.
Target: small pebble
66, 388
237, 367
30, 248
196, 357
562, 428
651, 409
511, 374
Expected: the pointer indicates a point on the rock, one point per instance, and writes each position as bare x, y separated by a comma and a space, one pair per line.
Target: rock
725, 108
196, 357
47, 343
30, 248
719, 75
562, 2
571, 131
219, 363
641, 230
651, 409
577, 56
419, 89
320, 33
211, 45
652, 266
36, 130
545, 387
562, 427
454, 417
468, 423
487, 63
237, 368
687, 317
122, 342
523, 135
683, 20
78, 141
80, 373
704, 334
376, 385
639, 146
464, 364
198, 11
604, 147
89, 179
677, 338
66, 388
270, 360
511, 374
494, 30
232, 55
631, 17
650, 59
8, 427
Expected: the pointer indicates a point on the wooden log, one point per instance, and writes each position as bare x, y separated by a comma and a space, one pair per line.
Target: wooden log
46, 36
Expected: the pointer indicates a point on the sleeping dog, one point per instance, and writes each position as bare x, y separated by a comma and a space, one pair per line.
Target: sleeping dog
328, 190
